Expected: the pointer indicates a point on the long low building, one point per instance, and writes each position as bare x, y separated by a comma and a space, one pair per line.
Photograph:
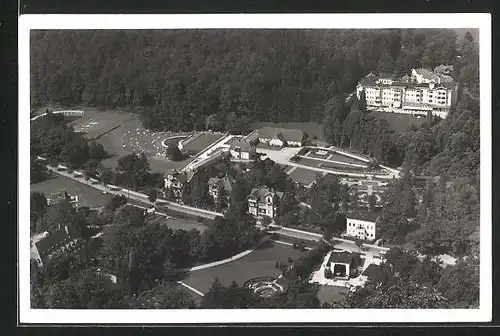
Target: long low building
277, 137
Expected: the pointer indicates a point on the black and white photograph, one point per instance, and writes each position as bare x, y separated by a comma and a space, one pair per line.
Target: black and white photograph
255, 168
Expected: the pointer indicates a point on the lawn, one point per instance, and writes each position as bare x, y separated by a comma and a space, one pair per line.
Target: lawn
184, 224
311, 128
331, 294
87, 196
304, 176
398, 122
201, 141
260, 262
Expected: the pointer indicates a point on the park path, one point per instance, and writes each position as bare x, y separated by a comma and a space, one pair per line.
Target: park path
332, 161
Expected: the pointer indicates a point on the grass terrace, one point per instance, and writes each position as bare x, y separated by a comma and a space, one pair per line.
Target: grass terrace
303, 176
201, 141
259, 263
331, 294
87, 196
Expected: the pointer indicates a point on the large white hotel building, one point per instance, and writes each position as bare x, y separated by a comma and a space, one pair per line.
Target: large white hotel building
419, 93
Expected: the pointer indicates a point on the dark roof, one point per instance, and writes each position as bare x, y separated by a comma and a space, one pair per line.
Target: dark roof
242, 145
52, 241
261, 192
363, 215
386, 75
370, 79
371, 271
287, 134
226, 182
343, 257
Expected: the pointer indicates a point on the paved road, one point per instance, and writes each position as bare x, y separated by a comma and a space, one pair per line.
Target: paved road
135, 196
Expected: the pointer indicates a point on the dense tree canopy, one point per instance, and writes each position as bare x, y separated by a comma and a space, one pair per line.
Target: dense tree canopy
178, 78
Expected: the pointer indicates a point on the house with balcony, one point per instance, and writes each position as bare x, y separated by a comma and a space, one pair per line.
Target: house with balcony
217, 185
175, 181
264, 201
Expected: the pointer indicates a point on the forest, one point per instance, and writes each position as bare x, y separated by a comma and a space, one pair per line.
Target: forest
176, 79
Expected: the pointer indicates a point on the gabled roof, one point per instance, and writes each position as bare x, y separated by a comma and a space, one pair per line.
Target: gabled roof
370, 79
52, 241
368, 216
262, 192
242, 145
343, 257
226, 182
372, 271
443, 68
287, 134
427, 74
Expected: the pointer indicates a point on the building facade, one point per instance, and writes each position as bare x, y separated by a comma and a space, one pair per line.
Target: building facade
215, 185
263, 201
278, 137
340, 264
361, 228
242, 150
64, 240
419, 93
175, 180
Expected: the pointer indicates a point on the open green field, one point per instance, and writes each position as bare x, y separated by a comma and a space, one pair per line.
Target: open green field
87, 196
303, 176
311, 128
126, 135
260, 262
331, 294
398, 122
181, 224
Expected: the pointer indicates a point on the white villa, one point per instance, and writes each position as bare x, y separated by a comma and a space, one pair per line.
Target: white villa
361, 227
263, 201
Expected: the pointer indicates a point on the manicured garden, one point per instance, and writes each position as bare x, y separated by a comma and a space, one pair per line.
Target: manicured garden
259, 263
201, 141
